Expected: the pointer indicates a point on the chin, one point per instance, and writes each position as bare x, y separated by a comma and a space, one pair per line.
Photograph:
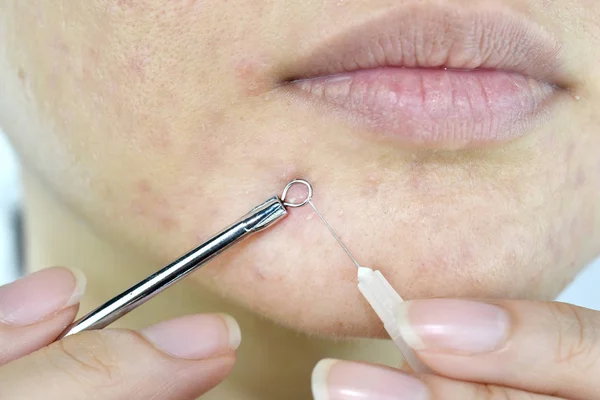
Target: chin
297, 275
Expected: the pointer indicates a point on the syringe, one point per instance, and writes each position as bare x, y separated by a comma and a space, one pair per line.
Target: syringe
383, 299
385, 302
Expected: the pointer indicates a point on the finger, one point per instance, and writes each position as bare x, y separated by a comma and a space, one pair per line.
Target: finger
35, 309
343, 380
550, 348
177, 359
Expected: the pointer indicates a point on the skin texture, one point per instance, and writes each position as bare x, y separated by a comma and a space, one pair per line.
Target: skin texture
161, 122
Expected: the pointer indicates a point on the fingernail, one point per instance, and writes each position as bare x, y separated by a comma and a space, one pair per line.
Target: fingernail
343, 380
196, 336
40, 295
457, 326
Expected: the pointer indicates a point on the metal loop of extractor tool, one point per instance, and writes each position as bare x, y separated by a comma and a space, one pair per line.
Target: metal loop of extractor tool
287, 188
259, 218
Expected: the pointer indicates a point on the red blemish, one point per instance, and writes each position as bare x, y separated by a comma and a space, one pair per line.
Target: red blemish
148, 204
167, 223
139, 60
161, 140
371, 186
137, 66
289, 173
260, 275
250, 77
144, 186
246, 69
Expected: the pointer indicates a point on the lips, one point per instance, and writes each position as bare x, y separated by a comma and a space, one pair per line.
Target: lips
441, 77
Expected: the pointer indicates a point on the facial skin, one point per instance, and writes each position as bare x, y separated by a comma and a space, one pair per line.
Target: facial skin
162, 122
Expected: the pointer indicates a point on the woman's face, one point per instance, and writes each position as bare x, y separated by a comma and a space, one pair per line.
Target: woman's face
454, 145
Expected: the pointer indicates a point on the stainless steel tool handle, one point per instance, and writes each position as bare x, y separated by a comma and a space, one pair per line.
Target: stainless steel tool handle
257, 219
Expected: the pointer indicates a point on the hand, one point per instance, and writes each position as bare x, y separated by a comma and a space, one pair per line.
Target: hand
177, 359
504, 350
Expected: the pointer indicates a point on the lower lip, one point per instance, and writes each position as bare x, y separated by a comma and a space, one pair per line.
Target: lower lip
439, 108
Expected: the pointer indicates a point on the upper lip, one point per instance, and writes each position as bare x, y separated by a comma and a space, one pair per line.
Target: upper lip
439, 37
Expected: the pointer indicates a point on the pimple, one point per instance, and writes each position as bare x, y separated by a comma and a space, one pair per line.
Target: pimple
246, 69
250, 77
161, 140
371, 186
168, 223
265, 272
296, 194
144, 186
259, 274
138, 60
137, 64
289, 173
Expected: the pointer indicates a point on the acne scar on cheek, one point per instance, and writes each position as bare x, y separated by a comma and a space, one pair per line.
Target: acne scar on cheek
139, 62
144, 187
251, 78
372, 184
160, 140
147, 203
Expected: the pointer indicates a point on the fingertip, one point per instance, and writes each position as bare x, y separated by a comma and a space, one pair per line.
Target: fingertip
40, 295
235, 333
337, 379
319, 379
79, 289
195, 337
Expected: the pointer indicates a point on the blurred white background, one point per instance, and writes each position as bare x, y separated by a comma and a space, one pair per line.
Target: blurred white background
9, 213
583, 292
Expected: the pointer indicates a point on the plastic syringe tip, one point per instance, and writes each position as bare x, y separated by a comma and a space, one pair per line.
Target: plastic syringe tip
385, 302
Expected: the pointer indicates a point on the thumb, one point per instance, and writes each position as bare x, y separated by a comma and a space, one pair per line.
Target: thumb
543, 347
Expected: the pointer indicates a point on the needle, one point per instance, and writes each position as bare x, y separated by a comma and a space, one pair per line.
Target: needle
334, 234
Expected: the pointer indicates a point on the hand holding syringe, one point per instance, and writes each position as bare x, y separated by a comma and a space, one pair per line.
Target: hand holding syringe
383, 299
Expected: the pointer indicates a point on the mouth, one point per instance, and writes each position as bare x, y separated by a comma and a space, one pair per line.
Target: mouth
440, 77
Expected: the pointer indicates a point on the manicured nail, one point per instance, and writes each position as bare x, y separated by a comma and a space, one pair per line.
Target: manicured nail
455, 326
343, 380
40, 295
195, 337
